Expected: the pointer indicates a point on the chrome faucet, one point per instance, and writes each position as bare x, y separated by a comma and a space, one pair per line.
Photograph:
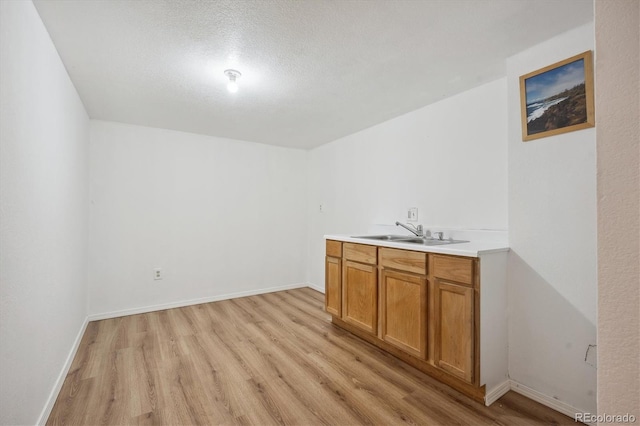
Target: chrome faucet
417, 231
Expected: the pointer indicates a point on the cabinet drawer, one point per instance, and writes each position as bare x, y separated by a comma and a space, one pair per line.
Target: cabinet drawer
404, 260
334, 248
459, 269
360, 253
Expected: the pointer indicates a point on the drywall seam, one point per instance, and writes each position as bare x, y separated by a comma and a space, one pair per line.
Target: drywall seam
53, 396
182, 303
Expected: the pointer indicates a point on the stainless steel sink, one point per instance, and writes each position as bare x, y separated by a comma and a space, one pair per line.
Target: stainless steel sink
431, 242
412, 240
383, 237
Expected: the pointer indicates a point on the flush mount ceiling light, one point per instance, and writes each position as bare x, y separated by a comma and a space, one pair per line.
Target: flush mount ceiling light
233, 75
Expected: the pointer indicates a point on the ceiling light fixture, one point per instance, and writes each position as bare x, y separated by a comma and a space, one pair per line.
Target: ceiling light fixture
233, 75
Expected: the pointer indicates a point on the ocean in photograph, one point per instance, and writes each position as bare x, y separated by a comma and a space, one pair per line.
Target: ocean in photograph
556, 98
567, 108
536, 109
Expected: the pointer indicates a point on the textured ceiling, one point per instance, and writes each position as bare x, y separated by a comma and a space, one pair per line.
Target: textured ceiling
312, 71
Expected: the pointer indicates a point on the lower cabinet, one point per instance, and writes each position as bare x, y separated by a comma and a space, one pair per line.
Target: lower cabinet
421, 307
403, 301
454, 329
360, 295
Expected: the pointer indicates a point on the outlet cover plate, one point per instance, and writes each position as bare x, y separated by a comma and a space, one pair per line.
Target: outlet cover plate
412, 214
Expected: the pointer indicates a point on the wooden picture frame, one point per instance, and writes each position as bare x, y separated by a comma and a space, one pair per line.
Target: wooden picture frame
558, 98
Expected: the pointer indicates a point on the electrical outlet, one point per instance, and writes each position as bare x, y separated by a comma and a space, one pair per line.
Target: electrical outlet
321, 208
157, 274
412, 214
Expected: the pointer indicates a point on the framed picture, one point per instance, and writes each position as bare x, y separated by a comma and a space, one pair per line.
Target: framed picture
558, 98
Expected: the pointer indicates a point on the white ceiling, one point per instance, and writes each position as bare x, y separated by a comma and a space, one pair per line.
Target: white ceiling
313, 70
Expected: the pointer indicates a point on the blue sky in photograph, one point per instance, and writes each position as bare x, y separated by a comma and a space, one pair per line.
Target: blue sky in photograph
555, 81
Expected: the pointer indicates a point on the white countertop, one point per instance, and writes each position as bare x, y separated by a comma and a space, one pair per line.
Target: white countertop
471, 249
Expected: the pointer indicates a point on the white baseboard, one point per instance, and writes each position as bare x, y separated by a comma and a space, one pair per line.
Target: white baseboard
496, 393
46, 411
559, 406
543, 399
316, 287
182, 303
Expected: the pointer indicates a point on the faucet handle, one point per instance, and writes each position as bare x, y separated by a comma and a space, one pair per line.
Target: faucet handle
416, 230
439, 235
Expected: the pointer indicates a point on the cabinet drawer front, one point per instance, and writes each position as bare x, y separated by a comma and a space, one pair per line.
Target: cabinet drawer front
360, 253
334, 248
404, 260
459, 269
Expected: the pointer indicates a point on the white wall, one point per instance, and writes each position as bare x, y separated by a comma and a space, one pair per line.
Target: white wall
617, 96
449, 159
189, 204
44, 134
219, 216
552, 233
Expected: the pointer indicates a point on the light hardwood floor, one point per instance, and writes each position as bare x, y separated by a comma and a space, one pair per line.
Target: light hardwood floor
261, 360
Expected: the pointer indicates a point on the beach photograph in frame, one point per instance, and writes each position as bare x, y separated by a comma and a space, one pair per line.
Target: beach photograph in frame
558, 98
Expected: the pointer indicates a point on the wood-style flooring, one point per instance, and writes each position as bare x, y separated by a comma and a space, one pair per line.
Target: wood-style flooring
261, 360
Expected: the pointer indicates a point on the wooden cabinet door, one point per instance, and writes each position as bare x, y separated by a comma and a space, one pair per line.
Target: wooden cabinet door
454, 345
360, 295
333, 286
404, 302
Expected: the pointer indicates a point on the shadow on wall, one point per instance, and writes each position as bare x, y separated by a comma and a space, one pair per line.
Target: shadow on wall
549, 339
